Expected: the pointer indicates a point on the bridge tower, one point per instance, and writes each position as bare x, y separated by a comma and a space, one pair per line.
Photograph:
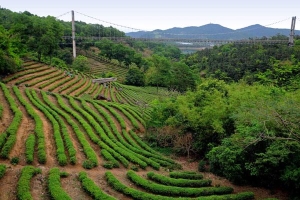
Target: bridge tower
73, 34
292, 34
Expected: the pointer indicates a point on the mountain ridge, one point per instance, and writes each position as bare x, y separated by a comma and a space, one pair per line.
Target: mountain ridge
213, 31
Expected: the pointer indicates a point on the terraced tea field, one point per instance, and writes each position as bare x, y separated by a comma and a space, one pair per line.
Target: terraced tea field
56, 142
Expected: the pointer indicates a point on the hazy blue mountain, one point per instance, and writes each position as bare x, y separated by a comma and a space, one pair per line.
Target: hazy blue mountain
213, 31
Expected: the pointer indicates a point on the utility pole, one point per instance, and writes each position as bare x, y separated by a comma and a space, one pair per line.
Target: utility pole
73, 34
292, 34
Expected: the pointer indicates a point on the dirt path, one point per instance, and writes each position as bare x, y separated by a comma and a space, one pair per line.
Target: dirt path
79, 151
7, 115
60, 86
29, 63
72, 185
78, 82
93, 145
128, 123
44, 79
116, 122
90, 89
98, 176
41, 78
97, 90
9, 182
12, 82
49, 139
26, 127
80, 88
38, 185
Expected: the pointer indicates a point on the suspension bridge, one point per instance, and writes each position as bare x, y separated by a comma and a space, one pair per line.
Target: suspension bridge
196, 43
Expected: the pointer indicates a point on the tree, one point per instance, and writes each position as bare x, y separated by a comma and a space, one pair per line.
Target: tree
182, 77
45, 36
159, 72
203, 113
264, 148
9, 58
134, 76
81, 63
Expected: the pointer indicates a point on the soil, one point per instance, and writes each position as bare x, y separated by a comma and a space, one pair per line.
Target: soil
12, 82
7, 115
26, 127
42, 79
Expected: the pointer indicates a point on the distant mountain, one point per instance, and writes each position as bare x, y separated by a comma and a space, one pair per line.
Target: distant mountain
213, 31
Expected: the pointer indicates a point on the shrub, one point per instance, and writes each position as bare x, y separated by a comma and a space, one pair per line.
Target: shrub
201, 166
90, 187
134, 168
55, 189
88, 164
186, 175
176, 191
2, 170
14, 160
177, 182
136, 194
108, 165
29, 152
23, 185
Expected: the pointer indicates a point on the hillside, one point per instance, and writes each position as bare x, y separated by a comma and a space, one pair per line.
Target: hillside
48, 129
213, 31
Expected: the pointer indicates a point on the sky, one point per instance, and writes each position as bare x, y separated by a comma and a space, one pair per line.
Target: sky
164, 14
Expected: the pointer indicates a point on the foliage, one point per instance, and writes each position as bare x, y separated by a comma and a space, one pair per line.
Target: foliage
80, 63
58, 63
23, 185
64, 130
185, 175
8, 138
120, 52
134, 76
2, 170
55, 189
180, 182
265, 146
234, 62
87, 149
14, 160
110, 158
284, 73
159, 72
29, 152
9, 58
90, 187
182, 77
175, 191
137, 194
201, 117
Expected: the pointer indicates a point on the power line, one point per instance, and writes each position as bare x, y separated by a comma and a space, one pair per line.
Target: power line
206, 34
63, 14
110, 22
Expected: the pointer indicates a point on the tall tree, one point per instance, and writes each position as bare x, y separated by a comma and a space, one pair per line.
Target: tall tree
9, 58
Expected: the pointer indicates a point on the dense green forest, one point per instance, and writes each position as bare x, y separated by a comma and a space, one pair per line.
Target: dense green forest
236, 107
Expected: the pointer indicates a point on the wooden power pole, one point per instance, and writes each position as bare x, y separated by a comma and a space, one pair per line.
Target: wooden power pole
292, 34
73, 34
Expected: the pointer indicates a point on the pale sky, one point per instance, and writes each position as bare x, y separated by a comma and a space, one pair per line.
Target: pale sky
163, 14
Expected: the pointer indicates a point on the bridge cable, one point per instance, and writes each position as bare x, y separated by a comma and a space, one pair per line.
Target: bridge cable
136, 29
63, 14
